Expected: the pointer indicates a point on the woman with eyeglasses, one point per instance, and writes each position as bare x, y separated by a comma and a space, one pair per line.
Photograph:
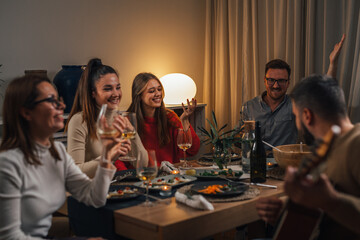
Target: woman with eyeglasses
99, 84
35, 171
157, 125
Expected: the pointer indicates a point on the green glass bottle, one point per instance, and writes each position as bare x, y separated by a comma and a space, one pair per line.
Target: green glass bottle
258, 158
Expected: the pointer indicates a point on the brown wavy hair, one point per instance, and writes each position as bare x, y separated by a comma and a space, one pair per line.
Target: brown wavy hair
84, 101
21, 93
138, 87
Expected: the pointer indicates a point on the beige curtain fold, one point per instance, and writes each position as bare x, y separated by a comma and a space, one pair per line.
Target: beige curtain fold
242, 35
354, 95
327, 20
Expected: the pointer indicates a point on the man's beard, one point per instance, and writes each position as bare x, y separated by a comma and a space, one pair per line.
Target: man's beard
306, 135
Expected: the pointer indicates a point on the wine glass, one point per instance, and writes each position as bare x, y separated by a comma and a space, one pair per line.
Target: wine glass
184, 142
128, 132
105, 128
104, 122
146, 171
246, 115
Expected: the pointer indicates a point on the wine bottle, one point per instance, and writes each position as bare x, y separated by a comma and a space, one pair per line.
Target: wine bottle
258, 158
247, 141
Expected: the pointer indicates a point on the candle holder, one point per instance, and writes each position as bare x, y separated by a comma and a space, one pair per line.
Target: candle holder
165, 190
174, 172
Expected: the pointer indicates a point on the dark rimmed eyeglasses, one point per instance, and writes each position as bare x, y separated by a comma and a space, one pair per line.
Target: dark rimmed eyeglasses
55, 102
281, 82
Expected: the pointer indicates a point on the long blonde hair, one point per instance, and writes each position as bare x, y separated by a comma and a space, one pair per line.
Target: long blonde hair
21, 93
138, 87
84, 101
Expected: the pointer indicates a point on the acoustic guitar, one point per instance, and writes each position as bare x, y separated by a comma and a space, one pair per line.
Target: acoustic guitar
298, 222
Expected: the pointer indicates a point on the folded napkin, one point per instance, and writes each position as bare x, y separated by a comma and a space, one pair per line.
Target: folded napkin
167, 167
196, 201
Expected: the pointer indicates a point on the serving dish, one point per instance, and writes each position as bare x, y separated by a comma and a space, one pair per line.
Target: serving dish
130, 175
291, 155
225, 189
211, 174
171, 180
123, 192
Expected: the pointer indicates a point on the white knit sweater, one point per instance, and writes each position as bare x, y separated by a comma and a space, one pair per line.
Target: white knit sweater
29, 194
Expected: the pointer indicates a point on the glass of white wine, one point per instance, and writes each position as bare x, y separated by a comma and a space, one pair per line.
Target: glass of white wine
104, 123
129, 131
146, 171
184, 142
105, 127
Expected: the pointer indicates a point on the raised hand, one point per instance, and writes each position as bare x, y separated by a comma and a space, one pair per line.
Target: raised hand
334, 57
336, 51
191, 106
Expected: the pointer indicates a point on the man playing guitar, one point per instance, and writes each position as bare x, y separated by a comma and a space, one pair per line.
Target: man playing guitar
319, 103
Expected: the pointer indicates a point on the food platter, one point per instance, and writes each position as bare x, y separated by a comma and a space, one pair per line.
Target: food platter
171, 180
219, 188
212, 174
123, 192
130, 175
208, 159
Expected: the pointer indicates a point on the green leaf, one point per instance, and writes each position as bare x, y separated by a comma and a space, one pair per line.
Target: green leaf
225, 133
214, 119
213, 130
203, 130
223, 127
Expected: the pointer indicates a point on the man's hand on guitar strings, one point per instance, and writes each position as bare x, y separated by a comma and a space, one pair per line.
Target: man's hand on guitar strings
308, 193
269, 209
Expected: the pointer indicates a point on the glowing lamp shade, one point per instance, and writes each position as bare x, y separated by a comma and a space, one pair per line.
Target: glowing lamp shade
178, 87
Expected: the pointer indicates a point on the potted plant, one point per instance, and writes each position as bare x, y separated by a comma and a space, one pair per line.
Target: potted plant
221, 140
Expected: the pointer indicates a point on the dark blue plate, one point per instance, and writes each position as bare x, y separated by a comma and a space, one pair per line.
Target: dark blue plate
236, 188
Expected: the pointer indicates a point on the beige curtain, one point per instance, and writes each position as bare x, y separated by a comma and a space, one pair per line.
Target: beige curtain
242, 35
354, 91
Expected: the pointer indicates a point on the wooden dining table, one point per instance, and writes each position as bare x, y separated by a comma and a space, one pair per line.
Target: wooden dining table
178, 221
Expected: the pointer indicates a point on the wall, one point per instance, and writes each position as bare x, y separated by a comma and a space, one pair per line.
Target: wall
160, 36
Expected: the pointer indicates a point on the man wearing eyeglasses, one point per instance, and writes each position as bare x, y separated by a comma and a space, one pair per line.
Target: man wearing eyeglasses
273, 107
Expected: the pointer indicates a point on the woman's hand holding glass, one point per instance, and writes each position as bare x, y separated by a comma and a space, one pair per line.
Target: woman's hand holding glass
127, 122
110, 126
128, 125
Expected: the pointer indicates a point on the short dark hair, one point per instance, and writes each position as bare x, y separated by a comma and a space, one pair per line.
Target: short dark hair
278, 64
321, 94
